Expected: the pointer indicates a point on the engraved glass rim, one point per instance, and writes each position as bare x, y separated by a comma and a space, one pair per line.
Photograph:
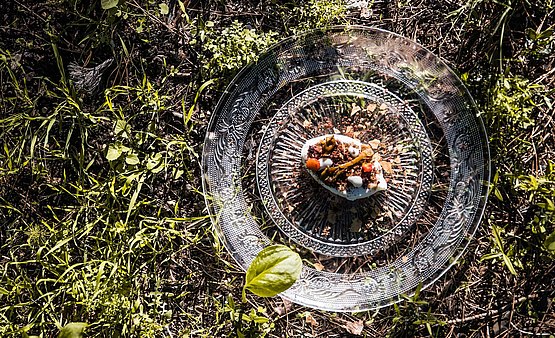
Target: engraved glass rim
298, 292
347, 248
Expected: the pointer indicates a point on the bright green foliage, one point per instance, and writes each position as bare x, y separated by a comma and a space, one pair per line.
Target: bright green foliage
164, 9
514, 104
315, 14
539, 230
513, 100
274, 270
514, 107
541, 195
256, 323
231, 47
540, 44
549, 242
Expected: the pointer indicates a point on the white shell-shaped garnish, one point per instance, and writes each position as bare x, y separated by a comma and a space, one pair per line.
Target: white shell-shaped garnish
324, 163
356, 181
382, 184
356, 190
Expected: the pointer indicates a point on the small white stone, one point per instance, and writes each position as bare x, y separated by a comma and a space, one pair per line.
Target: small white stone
354, 151
382, 183
356, 181
325, 162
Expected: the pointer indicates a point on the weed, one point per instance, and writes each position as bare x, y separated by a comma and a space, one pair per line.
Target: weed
513, 246
300, 16
231, 47
409, 315
318, 14
255, 323
514, 107
513, 101
541, 196
539, 43
499, 251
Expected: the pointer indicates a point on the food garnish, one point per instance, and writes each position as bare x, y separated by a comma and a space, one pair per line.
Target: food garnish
344, 165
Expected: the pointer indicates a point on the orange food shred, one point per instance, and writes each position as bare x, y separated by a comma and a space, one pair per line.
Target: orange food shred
313, 164
367, 167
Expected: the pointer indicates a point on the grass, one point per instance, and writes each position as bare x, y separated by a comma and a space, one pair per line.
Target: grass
101, 216
84, 233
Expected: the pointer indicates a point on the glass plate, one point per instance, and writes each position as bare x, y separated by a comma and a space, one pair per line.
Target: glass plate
368, 84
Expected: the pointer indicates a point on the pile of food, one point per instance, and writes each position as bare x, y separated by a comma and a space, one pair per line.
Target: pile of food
344, 165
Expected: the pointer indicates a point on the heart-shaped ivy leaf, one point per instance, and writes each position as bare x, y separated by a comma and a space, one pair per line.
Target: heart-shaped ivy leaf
272, 271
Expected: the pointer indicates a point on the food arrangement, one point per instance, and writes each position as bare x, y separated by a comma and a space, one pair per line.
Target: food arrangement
344, 165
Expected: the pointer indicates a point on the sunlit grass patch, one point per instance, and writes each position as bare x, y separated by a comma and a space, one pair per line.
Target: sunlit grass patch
105, 211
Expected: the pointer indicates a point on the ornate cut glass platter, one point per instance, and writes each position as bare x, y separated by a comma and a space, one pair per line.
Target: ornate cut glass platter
381, 89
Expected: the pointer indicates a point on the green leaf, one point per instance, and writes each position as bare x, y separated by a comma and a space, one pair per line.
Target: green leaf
257, 319
107, 4
546, 34
182, 6
4, 291
495, 230
509, 264
122, 128
153, 163
164, 9
532, 35
498, 194
272, 271
491, 256
73, 330
114, 152
134, 197
132, 159
550, 242
199, 91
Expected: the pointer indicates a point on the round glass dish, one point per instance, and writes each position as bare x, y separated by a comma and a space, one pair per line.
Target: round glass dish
372, 85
